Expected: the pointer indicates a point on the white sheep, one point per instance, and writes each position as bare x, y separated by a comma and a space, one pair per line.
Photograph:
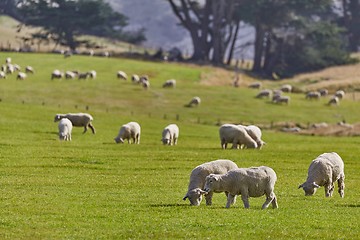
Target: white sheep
340, 94
255, 133
286, 88
170, 134
84, 75
56, 74
195, 101
256, 85
146, 84
10, 69
70, 74
65, 128
313, 95
2, 74
247, 182
92, 74
135, 78
121, 75
169, 83
237, 135
78, 120
264, 93
325, 170
334, 100
21, 76
281, 99
320, 125
197, 179
8, 60
323, 92
131, 130
29, 69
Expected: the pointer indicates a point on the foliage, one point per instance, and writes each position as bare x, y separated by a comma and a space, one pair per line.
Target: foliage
92, 188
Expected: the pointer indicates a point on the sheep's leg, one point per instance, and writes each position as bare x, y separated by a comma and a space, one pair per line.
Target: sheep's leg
92, 128
274, 202
269, 199
223, 144
85, 129
329, 188
208, 198
138, 138
245, 199
341, 185
175, 141
234, 199
230, 199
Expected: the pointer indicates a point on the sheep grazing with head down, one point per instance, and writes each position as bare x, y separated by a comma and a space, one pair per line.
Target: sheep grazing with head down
255, 133
21, 76
29, 69
2, 74
195, 101
129, 131
135, 79
78, 120
325, 170
313, 95
334, 100
56, 74
171, 83
237, 135
340, 94
247, 182
197, 180
255, 85
65, 128
170, 134
121, 75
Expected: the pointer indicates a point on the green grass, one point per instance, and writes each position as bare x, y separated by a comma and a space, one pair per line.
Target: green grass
92, 188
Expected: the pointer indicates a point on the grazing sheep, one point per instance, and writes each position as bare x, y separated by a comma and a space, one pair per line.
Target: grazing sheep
264, 93
70, 74
291, 129
135, 78
169, 83
144, 78
92, 74
105, 54
319, 125
286, 88
255, 133
197, 180
247, 182
146, 84
256, 85
334, 100
237, 135
65, 128
281, 99
29, 69
325, 170
10, 69
121, 75
78, 120
323, 92
56, 74
170, 135
8, 60
21, 76
340, 94
2, 74
313, 95
83, 75
195, 101
129, 131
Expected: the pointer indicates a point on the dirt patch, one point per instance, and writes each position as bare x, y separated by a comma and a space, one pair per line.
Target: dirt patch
333, 130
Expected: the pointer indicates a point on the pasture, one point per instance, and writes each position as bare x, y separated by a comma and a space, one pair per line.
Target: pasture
92, 188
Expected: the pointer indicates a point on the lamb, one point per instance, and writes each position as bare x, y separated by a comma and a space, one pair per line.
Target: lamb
121, 75
237, 135
256, 85
170, 135
83, 75
2, 74
264, 93
92, 74
146, 84
129, 131
135, 78
65, 128
255, 133
195, 101
169, 83
70, 74
197, 179
340, 94
325, 170
323, 92
281, 99
247, 182
21, 76
334, 100
286, 88
8, 60
29, 69
56, 74
313, 95
78, 120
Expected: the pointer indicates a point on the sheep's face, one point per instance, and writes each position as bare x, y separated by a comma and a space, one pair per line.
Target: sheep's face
309, 188
210, 182
195, 196
166, 141
118, 140
57, 118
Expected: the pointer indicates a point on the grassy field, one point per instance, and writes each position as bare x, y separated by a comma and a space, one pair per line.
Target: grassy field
92, 188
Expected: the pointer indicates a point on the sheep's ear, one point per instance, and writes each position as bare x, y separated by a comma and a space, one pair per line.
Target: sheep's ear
186, 196
300, 186
201, 192
315, 185
216, 178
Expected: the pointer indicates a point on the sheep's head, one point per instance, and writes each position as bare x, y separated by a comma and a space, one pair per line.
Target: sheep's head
57, 117
210, 182
119, 140
194, 196
166, 141
309, 188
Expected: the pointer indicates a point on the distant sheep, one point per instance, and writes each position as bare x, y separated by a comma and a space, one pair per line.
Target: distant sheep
313, 95
70, 75
340, 94
78, 120
29, 69
170, 135
323, 92
255, 133
84, 75
56, 74
325, 170
247, 182
197, 180
256, 85
8, 60
92, 74
21, 76
334, 100
169, 83
319, 125
135, 78
281, 99
121, 75
146, 84
264, 93
65, 128
195, 101
286, 88
129, 131
237, 135
2, 74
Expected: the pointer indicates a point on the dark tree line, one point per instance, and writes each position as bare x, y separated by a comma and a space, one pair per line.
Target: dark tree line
291, 36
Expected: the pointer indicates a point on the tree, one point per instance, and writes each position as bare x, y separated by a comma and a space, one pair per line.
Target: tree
8, 7
65, 20
351, 21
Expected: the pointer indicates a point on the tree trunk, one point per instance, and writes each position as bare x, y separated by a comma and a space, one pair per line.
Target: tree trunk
233, 42
258, 48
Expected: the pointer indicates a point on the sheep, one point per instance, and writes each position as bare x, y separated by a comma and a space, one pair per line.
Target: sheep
313, 95
21, 76
17, 67
8, 60
143, 78
237, 135
320, 125
56, 74
129, 131
10, 69
325, 170
334, 100
256, 85
195, 101
92, 74
323, 92
78, 120
255, 133
83, 75
286, 88
170, 135
282, 99
70, 74
169, 83
121, 75
2, 74
340, 94
29, 69
65, 128
146, 84
247, 182
264, 93
135, 78
197, 180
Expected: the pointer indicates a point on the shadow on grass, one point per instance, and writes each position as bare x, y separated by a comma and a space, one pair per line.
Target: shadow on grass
171, 205
349, 205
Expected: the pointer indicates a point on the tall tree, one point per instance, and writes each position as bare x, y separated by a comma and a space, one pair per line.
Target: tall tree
351, 21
